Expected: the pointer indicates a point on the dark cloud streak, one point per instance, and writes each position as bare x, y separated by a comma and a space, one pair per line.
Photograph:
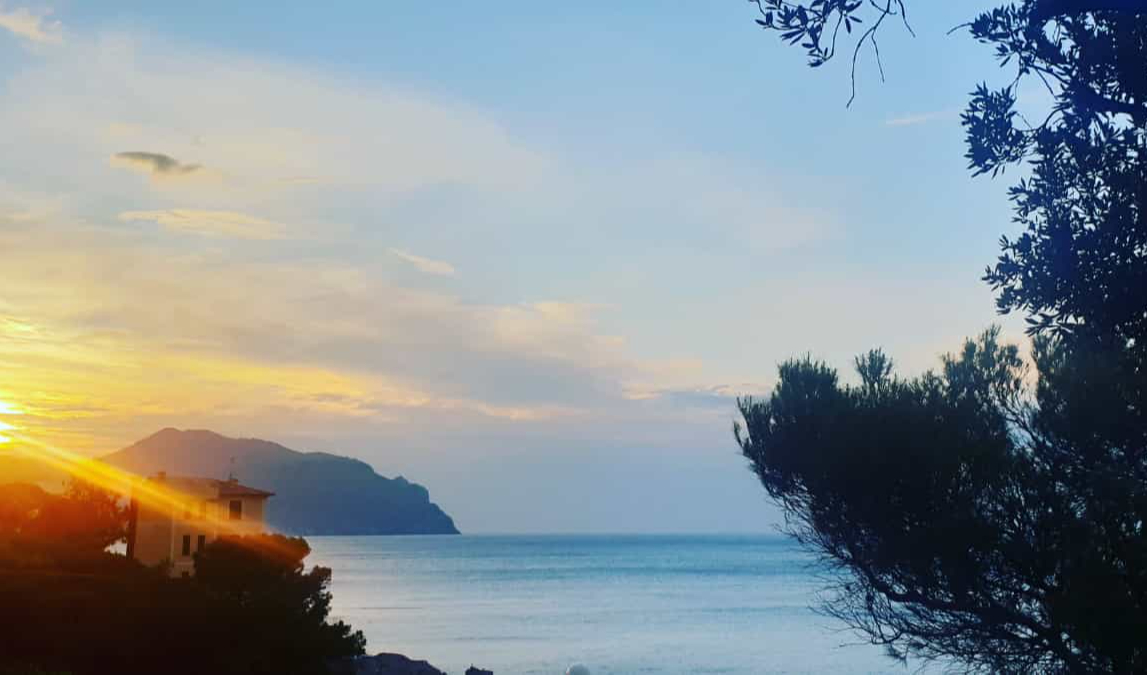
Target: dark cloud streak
156, 163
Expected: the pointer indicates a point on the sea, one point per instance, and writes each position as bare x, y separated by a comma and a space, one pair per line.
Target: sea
615, 604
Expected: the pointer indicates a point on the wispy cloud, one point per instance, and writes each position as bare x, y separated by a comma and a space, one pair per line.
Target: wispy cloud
210, 223
327, 344
333, 344
920, 118
426, 265
33, 26
153, 163
721, 397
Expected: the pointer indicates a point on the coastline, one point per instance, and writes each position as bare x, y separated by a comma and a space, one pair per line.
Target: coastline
393, 664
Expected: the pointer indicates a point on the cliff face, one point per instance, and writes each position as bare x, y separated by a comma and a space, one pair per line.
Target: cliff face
316, 493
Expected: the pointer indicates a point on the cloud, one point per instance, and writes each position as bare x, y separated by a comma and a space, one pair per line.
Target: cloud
390, 162
721, 396
304, 334
426, 265
115, 330
920, 118
153, 163
32, 26
516, 361
315, 340
210, 223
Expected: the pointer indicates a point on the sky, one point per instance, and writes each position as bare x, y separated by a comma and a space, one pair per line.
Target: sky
526, 254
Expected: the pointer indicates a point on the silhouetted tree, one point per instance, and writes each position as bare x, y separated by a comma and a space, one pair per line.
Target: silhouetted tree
19, 505
70, 530
67, 605
967, 516
85, 516
264, 575
975, 514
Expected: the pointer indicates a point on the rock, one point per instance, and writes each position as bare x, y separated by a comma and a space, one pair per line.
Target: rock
384, 664
478, 671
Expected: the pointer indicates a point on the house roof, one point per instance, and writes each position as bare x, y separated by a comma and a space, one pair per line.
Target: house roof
231, 488
211, 488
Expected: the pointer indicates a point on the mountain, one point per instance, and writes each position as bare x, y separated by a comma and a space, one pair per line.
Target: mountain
315, 492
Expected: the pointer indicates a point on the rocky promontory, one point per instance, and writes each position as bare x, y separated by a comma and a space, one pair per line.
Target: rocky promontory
316, 493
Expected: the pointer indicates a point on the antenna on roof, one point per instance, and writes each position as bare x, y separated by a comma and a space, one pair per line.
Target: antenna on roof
231, 472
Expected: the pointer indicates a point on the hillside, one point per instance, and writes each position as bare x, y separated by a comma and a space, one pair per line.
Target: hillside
316, 493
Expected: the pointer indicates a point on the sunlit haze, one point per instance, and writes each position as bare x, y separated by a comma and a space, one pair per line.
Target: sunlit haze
525, 254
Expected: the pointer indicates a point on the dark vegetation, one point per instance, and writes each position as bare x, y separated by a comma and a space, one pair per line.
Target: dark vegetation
69, 606
316, 493
993, 513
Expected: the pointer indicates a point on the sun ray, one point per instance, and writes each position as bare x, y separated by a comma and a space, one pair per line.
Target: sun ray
104, 476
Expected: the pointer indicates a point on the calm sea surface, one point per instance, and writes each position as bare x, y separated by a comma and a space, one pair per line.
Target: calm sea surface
618, 604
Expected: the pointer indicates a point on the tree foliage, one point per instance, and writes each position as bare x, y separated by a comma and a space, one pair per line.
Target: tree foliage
969, 517
67, 605
69, 529
985, 513
973, 515
265, 577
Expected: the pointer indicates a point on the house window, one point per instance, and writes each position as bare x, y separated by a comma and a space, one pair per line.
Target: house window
236, 509
187, 544
201, 542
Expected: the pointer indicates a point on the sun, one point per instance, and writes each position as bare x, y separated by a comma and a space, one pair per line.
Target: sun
4, 426
7, 408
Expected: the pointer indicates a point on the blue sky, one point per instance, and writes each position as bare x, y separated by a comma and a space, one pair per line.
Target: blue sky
525, 253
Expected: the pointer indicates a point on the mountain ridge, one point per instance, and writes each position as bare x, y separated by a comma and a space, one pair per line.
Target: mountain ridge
317, 493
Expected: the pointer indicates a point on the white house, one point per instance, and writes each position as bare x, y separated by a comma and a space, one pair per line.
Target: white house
173, 517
